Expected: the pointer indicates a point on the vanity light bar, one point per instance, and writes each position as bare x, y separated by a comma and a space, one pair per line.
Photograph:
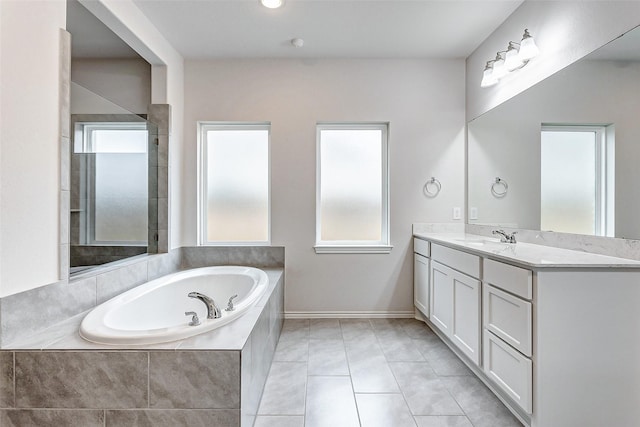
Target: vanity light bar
515, 57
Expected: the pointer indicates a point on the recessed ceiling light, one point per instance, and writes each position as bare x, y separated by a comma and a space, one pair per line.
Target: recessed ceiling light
272, 4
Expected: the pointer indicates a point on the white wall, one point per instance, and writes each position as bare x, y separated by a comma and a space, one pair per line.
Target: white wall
29, 143
565, 31
506, 140
423, 101
125, 82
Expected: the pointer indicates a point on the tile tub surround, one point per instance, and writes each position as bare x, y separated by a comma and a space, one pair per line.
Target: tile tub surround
30, 312
216, 378
351, 372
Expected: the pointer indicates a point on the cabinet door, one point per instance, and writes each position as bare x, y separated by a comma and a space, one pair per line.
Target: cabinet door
421, 283
509, 369
465, 331
441, 297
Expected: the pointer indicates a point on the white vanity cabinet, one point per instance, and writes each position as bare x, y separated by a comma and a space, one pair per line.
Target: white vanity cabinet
455, 298
508, 329
421, 264
554, 333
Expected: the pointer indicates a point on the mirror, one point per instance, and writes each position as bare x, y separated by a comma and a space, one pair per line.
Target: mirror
111, 159
563, 155
113, 147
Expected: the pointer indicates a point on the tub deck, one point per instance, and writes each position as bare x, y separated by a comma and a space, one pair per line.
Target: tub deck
55, 377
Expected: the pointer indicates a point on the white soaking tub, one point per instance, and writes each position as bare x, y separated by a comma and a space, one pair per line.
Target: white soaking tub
154, 312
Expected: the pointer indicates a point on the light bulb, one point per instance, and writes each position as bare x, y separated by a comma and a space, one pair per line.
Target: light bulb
272, 4
488, 78
528, 48
512, 60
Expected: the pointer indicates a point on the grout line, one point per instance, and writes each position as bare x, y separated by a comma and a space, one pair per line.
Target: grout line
149, 379
14, 379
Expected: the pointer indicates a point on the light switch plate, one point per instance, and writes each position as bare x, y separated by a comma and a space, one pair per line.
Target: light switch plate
473, 213
457, 213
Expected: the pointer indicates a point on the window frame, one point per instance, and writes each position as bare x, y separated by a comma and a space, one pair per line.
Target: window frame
604, 188
86, 144
382, 246
202, 128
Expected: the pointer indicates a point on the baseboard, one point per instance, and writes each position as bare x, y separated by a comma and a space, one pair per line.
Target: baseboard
349, 314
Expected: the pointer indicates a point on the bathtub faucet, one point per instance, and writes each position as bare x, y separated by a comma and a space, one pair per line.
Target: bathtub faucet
213, 311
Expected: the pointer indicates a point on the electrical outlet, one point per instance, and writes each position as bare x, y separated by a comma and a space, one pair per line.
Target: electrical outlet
473, 213
457, 213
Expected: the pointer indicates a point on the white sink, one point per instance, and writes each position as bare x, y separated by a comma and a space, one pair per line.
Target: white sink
481, 242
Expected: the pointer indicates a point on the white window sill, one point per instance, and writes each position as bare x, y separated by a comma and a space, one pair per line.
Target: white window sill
353, 249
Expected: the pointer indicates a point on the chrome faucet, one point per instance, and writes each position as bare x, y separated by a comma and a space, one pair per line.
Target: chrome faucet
213, 311
194, 318
230, 306
505, 237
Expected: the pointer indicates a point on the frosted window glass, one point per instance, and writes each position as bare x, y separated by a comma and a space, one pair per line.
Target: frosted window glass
351, 183
119, 141
568, 181
121, 204
237, 182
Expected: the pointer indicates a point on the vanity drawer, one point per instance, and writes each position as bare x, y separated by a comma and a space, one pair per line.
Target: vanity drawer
509, 370
458, 260
512, 279
421, 247
508, 317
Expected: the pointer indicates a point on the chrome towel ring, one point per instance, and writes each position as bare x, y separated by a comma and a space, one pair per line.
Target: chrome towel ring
432, 187
499, 188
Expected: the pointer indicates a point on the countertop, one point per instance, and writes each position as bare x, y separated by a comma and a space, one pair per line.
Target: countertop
527, 255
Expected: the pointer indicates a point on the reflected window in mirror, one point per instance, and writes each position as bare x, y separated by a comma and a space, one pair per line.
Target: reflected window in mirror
113, 183
576, 180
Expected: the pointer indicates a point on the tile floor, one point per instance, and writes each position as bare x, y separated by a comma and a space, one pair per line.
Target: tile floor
370, 373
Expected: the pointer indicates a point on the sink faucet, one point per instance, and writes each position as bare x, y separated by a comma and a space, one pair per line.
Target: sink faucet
213, 311
505, 237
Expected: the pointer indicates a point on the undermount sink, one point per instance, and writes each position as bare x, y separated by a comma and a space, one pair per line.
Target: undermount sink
479, 242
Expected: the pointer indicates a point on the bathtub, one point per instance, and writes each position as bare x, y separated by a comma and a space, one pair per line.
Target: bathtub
153, 312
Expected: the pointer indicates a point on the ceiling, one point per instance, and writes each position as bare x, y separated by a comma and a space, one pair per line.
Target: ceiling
90, 38
201, 29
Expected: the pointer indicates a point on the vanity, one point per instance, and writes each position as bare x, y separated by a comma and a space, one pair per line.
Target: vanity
554, 333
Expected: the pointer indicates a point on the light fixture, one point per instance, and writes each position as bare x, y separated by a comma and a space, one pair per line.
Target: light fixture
499, 70
488, 79
515, 57
528, 48
272, 4
512, 60
297, 42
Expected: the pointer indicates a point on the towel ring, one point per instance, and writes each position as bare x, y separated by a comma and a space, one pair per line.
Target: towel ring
432, 187
496, 190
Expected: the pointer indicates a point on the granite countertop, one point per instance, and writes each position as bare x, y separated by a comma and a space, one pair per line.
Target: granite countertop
527, 255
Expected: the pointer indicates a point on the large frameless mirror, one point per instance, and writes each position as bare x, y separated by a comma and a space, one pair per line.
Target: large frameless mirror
114, 155
567, 148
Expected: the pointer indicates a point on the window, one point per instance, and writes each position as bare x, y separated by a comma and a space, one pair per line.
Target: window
577, 180
234, 184
113, 185
352, 194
